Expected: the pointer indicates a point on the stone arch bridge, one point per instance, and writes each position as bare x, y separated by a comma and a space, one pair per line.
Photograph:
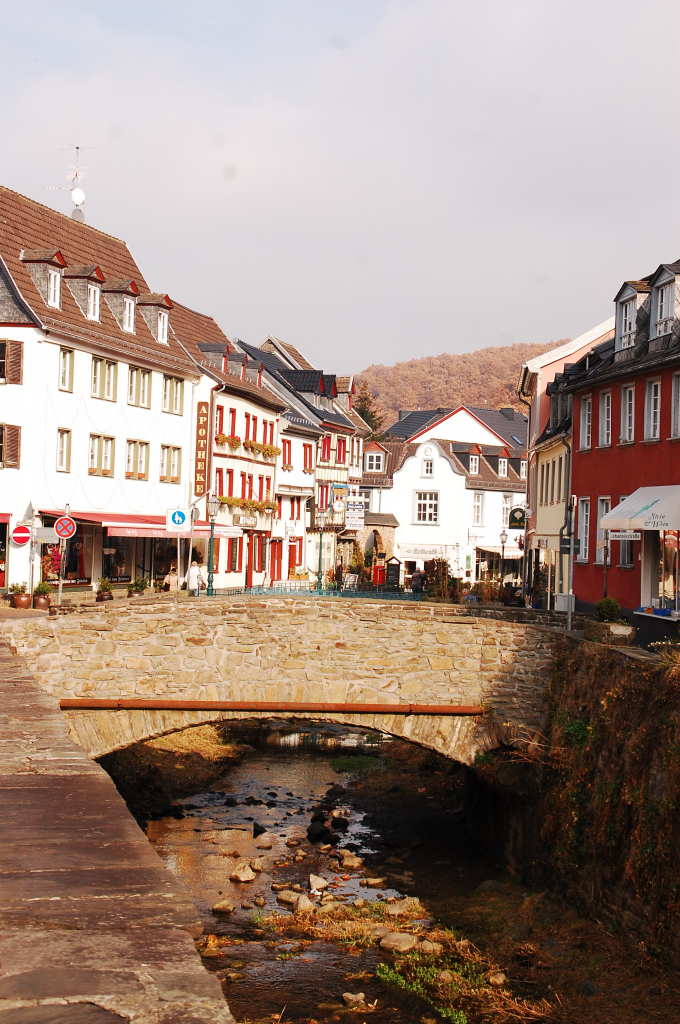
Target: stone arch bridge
456, 683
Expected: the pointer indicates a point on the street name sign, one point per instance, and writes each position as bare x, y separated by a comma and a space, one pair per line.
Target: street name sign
624, 535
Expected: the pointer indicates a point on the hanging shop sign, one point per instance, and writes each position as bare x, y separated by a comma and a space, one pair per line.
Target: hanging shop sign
517, 520
354, 514
202, 431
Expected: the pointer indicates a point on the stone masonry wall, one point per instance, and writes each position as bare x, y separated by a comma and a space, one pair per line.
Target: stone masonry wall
291, 649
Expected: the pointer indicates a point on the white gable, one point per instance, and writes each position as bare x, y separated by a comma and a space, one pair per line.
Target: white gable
461, 425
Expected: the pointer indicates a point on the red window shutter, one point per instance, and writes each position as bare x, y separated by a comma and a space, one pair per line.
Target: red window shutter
11, 455
268, 486
219, 420
219, 482
15, 362
243, 485
271, 431
260, 488
232, 422
240, 554
230, 483
250, 485
247, 437
254, 433
278, 508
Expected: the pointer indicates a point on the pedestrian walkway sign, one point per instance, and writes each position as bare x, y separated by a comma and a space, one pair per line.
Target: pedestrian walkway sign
177, 519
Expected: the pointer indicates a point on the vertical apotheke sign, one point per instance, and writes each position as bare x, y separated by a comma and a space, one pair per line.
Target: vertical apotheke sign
201, 472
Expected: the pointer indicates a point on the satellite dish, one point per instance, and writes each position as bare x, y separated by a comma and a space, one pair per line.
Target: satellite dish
78, 196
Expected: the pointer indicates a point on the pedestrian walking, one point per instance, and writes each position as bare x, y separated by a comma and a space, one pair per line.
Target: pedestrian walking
194, 579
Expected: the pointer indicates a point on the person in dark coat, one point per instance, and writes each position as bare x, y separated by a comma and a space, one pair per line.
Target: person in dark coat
417, 581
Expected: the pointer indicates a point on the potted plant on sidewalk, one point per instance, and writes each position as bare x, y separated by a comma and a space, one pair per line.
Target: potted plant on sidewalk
21, 598
104, 589
41, 594
138, 586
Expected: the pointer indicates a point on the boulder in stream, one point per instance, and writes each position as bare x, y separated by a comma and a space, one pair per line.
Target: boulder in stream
288, 897
354, 1000
303, 905
317, 882
242, 872
223, 907
398, 942
258, 864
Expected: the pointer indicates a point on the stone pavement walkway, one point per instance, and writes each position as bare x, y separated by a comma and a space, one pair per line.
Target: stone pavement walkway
93, 928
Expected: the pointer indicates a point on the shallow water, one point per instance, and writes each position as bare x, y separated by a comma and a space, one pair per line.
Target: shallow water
288, 780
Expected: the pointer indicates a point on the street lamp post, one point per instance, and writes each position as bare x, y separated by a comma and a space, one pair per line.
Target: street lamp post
321, 520
504, 541
213, 507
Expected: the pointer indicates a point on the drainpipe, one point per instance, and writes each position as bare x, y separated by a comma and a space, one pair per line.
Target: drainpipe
525, 401
567, 502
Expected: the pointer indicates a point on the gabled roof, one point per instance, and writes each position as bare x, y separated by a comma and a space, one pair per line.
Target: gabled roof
396, 454
510, 425
307, 381
414, 422
590, 337
292, 357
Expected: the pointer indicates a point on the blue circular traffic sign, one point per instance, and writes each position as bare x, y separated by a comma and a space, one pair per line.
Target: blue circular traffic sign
178, 518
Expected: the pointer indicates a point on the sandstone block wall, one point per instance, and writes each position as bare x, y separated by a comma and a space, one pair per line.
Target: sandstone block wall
290, 649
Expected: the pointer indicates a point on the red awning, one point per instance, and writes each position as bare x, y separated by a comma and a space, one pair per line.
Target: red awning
130, 525
4, 517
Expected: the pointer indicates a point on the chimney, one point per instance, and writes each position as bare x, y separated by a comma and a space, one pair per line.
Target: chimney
508, 412
403, 413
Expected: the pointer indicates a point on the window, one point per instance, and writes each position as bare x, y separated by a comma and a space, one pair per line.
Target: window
523, 469
137, 460
10, 446
100, 455
428, 467
326, 448
287, 447
308, 456
254, 430
323, 496
247, 437
162, 327
374, 462
139, 387
603, 507
507, 502
63, 451
625, 546
128, 314
427, 506
627, 414
235, 554
583, 527
665, 308
652, 410
260, 488
605, 418
477, 509
586, 421
542, 489
552, 482
341, 450
53, 289
628, 312
243, 485
250, 485
675, 419
474, 465
219, 419
502, 467
171, 459
232, 422
559, 479
219, 480
104, 377
93, 297
65, 369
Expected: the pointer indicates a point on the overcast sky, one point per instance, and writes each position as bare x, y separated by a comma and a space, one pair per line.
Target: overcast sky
371, 180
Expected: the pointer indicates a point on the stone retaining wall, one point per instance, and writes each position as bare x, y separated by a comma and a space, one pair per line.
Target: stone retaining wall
291, 649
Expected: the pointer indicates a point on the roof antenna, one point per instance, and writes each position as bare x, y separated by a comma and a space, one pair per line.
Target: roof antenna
77, 194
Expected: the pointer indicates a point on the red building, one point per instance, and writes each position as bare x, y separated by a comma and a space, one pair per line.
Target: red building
626, 437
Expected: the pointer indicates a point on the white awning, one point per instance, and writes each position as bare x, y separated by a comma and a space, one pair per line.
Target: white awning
648, 508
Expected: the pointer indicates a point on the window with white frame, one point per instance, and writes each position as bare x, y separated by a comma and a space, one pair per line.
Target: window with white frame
95, 382
603, 507
605, 419
137, 460
428, 467
374, 462
675, 419
427, 506
170, 464
507, 504
107, 456
162, 327
63, 451
93, 301
65, 369
523, 469
53, 289
474, 465
628, 413
139, 387
586, 422
128, 314
628, 314
103, 379
173, 395
653, 410
583, 527
665, 308
502, 467
101, 455
478, 509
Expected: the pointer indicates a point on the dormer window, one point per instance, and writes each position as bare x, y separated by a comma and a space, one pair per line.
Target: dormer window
93, 297
128, 315
523, 469
628, 312
374, 462
162, 327
474, 465
53, 288
502, 467
665, 308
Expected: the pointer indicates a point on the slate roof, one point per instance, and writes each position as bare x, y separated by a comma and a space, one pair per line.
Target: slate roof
294, 355
307, 381
513, 430
380, 519
414, 422
487, 479
396, 454
27, 225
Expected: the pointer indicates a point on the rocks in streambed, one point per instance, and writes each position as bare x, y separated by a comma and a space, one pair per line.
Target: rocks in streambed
373, 883
288, 897
444, 977
303, 905
493, 885
264, 844
260, 901
434, 948
224, 907
398, 942
350, 860
497, 979
317, 830
242, 872
354, 1000
258, 830
258, 864
316, 882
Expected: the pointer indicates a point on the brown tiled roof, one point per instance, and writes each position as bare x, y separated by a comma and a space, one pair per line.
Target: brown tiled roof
193, 329
362, 427
27, 225
296, 355
343, 383
397, 452
487, 478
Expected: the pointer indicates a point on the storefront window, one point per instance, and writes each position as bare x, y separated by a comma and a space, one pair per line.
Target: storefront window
3, 553
117, 559
165, 555
668, 570
78, 569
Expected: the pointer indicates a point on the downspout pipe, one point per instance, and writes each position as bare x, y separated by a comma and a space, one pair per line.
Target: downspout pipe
526, 401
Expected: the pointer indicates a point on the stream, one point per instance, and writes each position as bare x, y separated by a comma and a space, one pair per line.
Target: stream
405, 835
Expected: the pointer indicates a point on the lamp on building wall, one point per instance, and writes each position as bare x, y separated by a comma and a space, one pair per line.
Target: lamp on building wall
504, 541
213, 506
321, 522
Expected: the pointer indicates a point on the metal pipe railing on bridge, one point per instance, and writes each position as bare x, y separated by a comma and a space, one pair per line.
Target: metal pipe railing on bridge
288, 707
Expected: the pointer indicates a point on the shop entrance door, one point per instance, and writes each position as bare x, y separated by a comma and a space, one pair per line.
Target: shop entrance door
276, 553
292, 560
249, 560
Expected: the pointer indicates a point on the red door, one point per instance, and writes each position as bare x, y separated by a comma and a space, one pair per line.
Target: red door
276, 553
292, 560
250, 554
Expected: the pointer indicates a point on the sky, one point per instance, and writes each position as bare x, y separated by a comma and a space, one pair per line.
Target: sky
370, 180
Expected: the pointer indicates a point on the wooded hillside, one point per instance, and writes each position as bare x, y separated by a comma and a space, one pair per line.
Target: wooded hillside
490, 375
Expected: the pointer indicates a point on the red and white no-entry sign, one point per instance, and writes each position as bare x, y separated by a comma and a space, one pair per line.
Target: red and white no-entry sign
21, 534
65, 527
